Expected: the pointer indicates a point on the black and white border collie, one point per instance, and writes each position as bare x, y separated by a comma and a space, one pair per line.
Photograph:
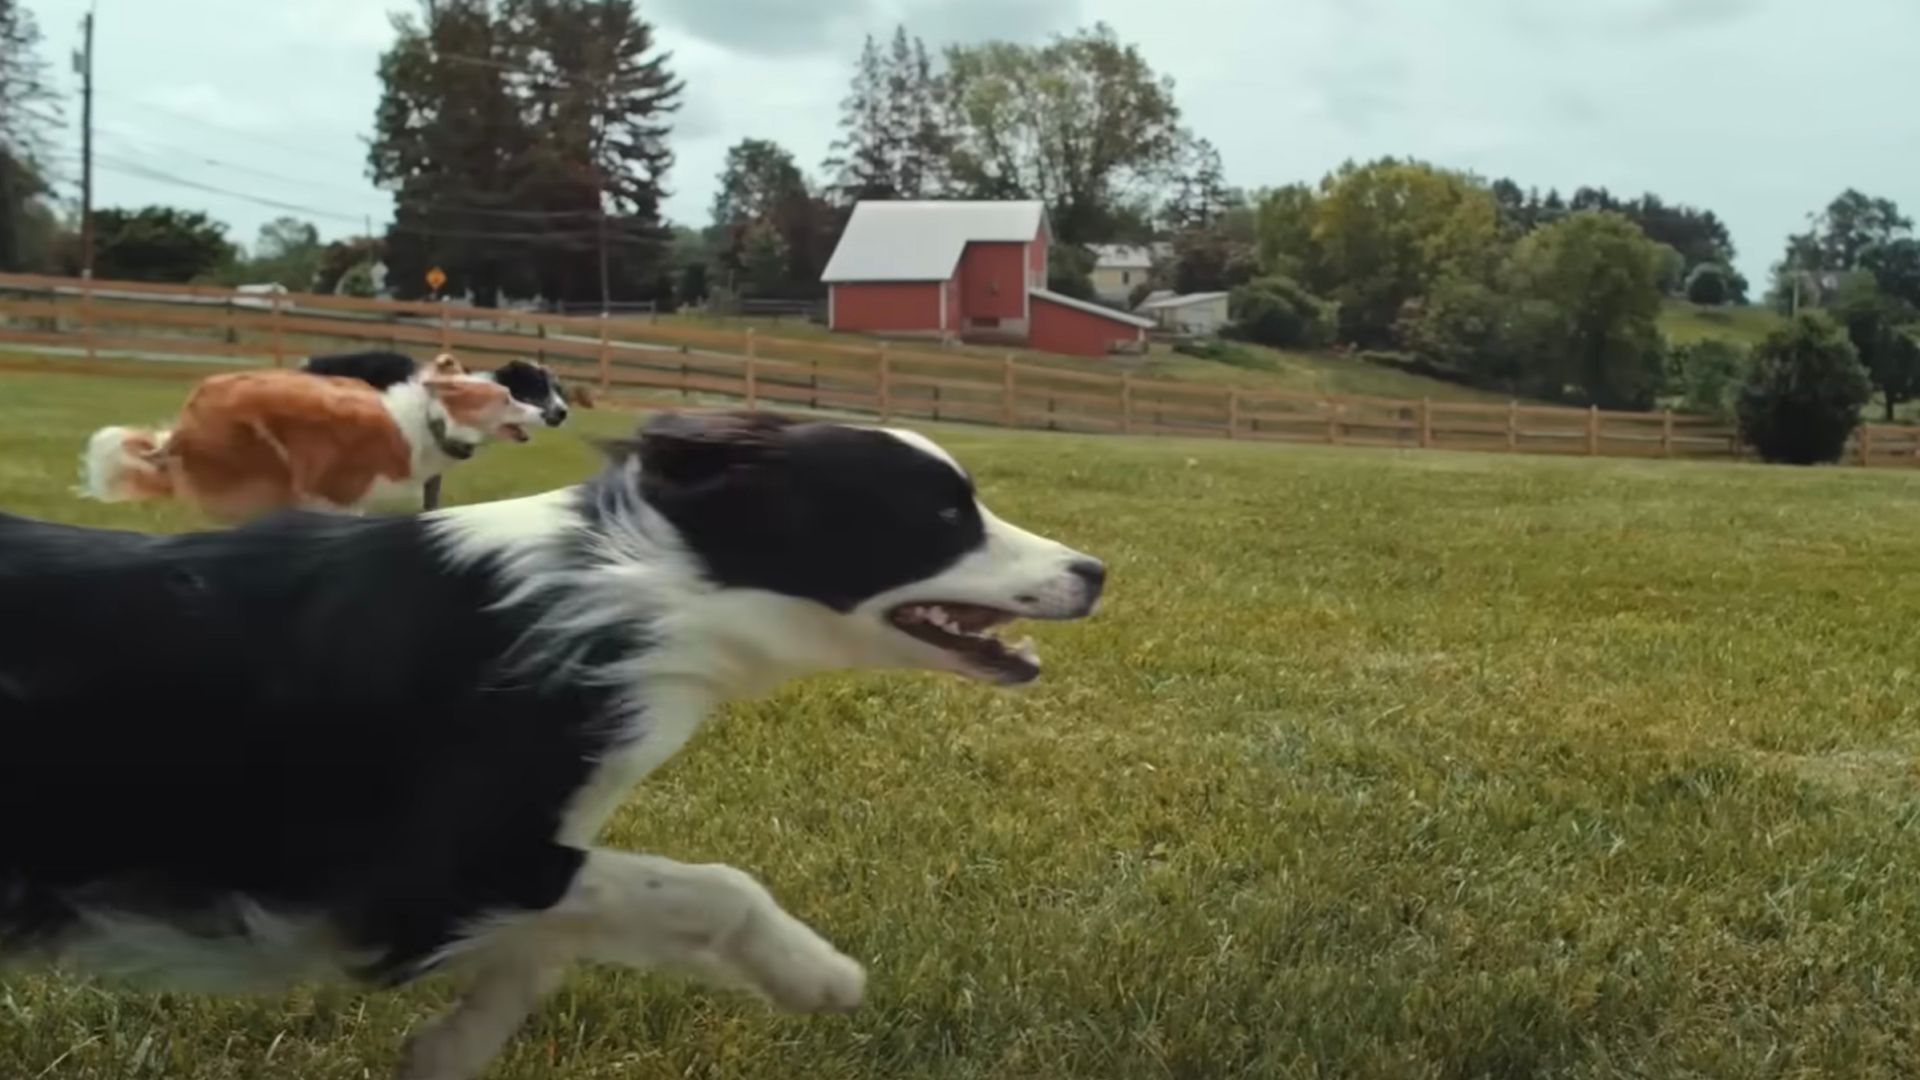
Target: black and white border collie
317, 746
526, 381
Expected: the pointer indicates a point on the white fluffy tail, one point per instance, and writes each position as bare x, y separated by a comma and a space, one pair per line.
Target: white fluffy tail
124, 464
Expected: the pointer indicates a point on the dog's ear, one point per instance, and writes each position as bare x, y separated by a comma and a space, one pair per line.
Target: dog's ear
680, 450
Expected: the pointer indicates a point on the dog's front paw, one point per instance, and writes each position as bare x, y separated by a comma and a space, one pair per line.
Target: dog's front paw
437, 1053
797, 969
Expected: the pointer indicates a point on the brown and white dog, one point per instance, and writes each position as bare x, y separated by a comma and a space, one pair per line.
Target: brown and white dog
251, 442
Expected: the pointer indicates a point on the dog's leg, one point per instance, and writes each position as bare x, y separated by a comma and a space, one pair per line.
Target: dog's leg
642, 911
463, 1042
430, 493
709, 920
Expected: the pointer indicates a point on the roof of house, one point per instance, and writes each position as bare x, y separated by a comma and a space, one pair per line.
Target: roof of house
911, 240
1153, 303
1090, 308
1121, 257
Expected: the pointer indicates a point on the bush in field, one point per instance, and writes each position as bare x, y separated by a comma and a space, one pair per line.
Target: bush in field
1708, 375
1277, 311
1803, 397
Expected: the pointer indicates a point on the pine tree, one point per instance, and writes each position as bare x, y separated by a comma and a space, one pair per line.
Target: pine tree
860, 161
29, 108
892, 143
515, 134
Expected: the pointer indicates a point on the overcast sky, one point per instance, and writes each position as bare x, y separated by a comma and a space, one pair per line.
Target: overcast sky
1761, 110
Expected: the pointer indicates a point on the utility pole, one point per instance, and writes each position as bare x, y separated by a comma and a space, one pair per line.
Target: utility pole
604, 305
85, 60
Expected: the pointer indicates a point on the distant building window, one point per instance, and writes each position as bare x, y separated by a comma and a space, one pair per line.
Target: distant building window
1126, 277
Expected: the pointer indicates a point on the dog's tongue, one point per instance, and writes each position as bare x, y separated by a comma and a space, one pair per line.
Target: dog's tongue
514, 432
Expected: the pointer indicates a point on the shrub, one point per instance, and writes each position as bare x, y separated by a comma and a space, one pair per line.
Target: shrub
1708, 375
1278, 311
1710, 284
1070, 271
1803, 396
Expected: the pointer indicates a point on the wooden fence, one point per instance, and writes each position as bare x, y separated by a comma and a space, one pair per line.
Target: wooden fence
660, 363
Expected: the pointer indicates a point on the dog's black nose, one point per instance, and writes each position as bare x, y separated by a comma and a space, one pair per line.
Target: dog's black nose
1091, 571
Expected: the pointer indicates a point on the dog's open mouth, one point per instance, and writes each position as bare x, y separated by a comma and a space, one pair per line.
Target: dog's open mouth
966, 631
512, 431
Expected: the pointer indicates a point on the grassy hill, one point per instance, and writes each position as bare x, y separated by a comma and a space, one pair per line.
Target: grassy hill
1253, 367
1685, 323
1256, 367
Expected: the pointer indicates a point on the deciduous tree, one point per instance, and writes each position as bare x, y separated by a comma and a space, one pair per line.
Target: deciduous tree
158, 243
1082, 123
1603, 274
1386, 231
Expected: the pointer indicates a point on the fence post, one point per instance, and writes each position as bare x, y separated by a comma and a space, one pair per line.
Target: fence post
86, 314
1426, 423
1666, 433
606, 356
1593, 430
1233, 412
279, 341
813, 382
1126, 403
1513, 424
1333, 420
1008, 417
446, 331
753, 390
1866, 443
886, 386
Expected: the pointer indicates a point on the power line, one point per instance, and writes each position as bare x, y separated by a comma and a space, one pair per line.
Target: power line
426, 207
113, 164
203, 159
226, 129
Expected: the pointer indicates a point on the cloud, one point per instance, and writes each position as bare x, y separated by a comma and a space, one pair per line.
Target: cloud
1574, 108
1683, 15
769, 27
791, 28
1360, 94
1626, 18
963, 22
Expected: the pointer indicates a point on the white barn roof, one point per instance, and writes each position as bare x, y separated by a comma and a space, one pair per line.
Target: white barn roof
1155, 303
922, 240
1091, 308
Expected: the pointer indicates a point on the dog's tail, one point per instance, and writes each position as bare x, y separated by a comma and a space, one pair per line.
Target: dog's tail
126, 464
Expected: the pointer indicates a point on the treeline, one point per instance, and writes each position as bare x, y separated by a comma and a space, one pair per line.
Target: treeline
526, 145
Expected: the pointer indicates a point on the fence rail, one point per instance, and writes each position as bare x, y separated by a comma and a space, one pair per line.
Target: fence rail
658, 363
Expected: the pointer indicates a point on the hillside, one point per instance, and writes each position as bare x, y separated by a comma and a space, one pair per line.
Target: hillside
1686, 323
1319, 372
1254, 367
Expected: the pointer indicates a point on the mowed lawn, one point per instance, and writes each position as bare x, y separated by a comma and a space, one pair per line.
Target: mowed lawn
1375, 764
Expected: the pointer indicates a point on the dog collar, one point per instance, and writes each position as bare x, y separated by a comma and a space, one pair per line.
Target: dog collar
459, 451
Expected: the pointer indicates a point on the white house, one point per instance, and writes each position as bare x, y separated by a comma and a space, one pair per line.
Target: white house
1194, 313
1118, 269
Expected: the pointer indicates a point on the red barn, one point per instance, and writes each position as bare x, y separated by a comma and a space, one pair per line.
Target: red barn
969, 269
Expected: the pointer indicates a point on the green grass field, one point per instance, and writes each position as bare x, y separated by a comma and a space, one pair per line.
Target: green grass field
1376, 764
1687, 323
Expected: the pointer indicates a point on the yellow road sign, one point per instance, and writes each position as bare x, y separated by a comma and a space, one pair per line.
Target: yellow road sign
436, 277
